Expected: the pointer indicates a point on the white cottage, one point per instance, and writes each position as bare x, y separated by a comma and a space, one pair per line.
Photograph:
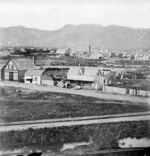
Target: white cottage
37, 76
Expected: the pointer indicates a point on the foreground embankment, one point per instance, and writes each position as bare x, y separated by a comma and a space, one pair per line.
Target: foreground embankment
99, 136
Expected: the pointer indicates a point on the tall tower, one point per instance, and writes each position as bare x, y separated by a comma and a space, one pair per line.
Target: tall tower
89, 48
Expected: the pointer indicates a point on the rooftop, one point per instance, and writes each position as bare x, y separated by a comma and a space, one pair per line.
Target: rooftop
24, 64
82, 73
34, 72
3, 63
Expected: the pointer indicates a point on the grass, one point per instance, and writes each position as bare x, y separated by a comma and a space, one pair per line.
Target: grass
102, 136
17, 104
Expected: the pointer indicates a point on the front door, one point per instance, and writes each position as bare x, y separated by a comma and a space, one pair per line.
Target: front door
10, 76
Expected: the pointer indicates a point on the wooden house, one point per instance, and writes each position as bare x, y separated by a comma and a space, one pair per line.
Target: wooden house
36, 76
90, 77
84, 76
104, 79
15, 69
143, 56
2, 66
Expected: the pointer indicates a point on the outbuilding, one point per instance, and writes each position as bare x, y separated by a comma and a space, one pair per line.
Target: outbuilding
36, 76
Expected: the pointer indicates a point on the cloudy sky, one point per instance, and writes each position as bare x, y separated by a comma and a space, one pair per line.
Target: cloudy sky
54, 14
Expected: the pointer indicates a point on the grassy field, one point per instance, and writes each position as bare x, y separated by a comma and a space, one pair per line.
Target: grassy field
101, 136
17, 104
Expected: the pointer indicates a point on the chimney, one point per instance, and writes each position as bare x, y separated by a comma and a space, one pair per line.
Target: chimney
33, 58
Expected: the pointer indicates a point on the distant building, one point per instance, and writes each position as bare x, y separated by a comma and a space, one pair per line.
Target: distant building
142, 56
132, 56
120, 55
96, 56
61, 51
113, 55
128, 57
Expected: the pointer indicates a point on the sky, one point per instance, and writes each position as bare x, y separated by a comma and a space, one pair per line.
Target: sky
54, 14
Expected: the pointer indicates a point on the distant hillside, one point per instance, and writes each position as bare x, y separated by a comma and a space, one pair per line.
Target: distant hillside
113, 37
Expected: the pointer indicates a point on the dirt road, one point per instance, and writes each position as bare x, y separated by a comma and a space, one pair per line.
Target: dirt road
74, 121
91, 93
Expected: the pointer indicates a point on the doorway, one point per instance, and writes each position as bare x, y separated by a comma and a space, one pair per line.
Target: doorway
10, 76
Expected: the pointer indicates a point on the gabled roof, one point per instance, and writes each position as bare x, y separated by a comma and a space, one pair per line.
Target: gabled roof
57, 73
47, 77
23, 63
82, 73
110, 75
105, 72
34, 72
3, 63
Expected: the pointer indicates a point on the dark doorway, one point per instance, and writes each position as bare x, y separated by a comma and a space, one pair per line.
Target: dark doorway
10, 76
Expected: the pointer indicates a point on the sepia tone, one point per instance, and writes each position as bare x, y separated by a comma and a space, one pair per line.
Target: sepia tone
74, 77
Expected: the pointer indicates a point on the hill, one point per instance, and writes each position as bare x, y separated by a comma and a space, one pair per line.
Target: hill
80, 36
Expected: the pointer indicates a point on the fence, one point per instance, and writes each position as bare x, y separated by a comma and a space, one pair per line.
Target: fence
123, 91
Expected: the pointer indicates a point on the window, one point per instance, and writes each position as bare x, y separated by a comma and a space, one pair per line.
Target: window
12, 67
104, 80
35, 78
8, 66
30, 80
81, 71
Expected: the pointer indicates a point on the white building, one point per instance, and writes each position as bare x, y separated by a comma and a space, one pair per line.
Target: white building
142, 56
38, 77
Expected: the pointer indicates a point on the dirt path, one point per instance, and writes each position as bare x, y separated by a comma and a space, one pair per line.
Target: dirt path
74, 121
92, 93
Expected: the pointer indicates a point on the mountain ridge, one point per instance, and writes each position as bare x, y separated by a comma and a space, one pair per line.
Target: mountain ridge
79, 36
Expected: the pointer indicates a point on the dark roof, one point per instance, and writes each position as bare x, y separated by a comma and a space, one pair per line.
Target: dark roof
47, 77
24, 64
58, 73
3, 63
110, 75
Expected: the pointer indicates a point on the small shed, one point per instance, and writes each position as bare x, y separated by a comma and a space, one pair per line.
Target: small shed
47, 80
37, 76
